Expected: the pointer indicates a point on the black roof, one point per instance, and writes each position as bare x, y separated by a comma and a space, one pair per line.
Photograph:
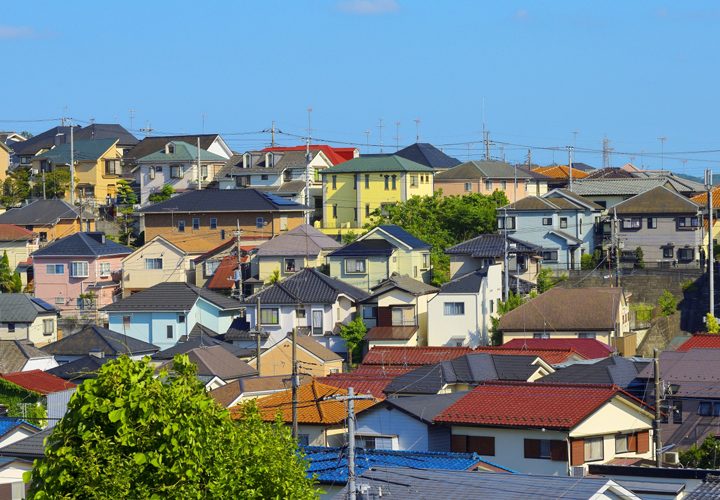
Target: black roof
97, 338
427, 407
308, 286
79, 369
23, 308
106, 131
201, 336
223, 200
30, 447
426, 154
365, 248
612, 370
40, 212
156, 143
171, 297
83, 244
491, 245
44, 140
467, 283
397, 232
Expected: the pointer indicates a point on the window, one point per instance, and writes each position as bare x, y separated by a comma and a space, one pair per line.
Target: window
488, 185
170, 333
112, 167
213, 223
203, 171
43, 236
492, 305
11, 327
394, 182
621, 443
369, 312
632, 223
355, 266
259, 223
563, 222
79, 269
176, 171
181, 318
264, 177
126, 321
677, 411
548, 449
155, 263
587, 335
503, 185
181, 226
300, 313
414, 182
506, 222
652, 222
289, 266
594, 449
367, 210
403, 316
468, 187
334, 211
196, 222
550, 255
104, 269
242, 181
686, 254
55, 269
668, 252
59, 301
543, 335
334, 181
688, 222
151, 172
170, 149
704, 408
211, 266
454, 308
375, 442
547, 221
425, 261
48, 327
269, 316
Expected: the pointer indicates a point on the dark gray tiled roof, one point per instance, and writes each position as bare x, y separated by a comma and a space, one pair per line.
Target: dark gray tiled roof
397, 232
171, 297
402, 282
491, 245
153, 144
467, 283
80, 369
613, 370
208, 339
97, 338
15, 353
659, 200
696, 372
83, 245
365, 248
308, 286
106, 131
709, 489
31, 447
216, 361
426, 154
22, 308
477, 170
299, 241
425, 408
223, 200
44, 140
40, 212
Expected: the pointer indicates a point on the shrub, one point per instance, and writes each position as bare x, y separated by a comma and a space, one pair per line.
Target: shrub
667, 303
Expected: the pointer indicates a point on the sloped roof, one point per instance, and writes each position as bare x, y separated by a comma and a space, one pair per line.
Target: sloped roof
22, 308
171, 297
400, 234
557, 199
38, 381
589, 348
222, 279
192, 244
616, 187
97, 338
40, 212
96, 131
83, 245
216, 361
391, 333
15, 353
615, 370
531, 405
11, 232
561, 172
317, 349
31, 447
44, 140
308, 286
8, 424
80, 369
335, 155
702, 198
425, 407
387, 164
183, 152
412, 356
550, 356
83, 151
659, 200
404, 283
155, 143
426, 154
202, 336
491, 245
609, 173
700, 341
302, 240
361, 384
223, 200
226, 394
477, 170
467, 283
365, 248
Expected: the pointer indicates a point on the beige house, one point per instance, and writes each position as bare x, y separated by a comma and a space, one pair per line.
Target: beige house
4, 160
316, 359
247, 388
23, 317
18, 243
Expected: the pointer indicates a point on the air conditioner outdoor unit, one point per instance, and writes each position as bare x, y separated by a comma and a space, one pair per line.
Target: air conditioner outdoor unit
671, 457
578, 470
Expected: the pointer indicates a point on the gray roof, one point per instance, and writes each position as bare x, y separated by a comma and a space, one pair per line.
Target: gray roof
616, 187
93, 244
106, 131
612, 370
171, 297
467, 283
302, 240
223, 200
425, 153
709, 489
23, 308
40, 212
80, 369
201, 336
425, 408
43, 140
15, 353
308, 286
658, 200
316, 348
477, 170
156, 143
31, 447
97, 338
400, 234
216, 361
696, 372
491, 245
404, 283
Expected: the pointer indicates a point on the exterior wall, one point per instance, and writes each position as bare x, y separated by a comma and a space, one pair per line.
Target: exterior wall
265, 266
458, 187
65, 227
411, 342
175, 266
652, 241
278, 361
14, 437
57, 405
607, 201
17, 251
42, 364
36, 331
603, 337
378, 269
189, 180
410, 434
4, 162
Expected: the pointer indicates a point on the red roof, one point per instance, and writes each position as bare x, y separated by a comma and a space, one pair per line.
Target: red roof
391, 371
224, 274
335, 155
550, 356
700, 341
11, 232
412, 356
362, 384
523, 404
38, 381
589, 348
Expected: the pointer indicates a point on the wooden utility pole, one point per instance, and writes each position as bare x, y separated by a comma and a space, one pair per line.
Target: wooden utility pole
658, 413
257, 335
294, 384
238, 235
711, 256
199, 168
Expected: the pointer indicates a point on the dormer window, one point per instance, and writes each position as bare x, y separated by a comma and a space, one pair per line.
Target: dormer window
269, 160
247, 160
169, 148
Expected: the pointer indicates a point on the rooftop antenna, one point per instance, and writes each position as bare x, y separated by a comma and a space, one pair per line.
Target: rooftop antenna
203, 123
380, 127
417, 129
397, 135
132, 117
147, 130
662, 151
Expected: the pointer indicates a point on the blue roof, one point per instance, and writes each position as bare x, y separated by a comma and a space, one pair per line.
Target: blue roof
43, 304
330, 464
83, 245
9, 423
404, 236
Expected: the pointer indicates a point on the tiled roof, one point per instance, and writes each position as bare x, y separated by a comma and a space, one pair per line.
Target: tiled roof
412, 356
467, 283
550, 406
335, 155
425, 407
382, 371
192, 244
316, 348
550, 356
14, 354
156, 143
314, 407
696, 372
362, 384
43, 140
701, 199
11, 232
79, 369
491, 245
708, 490
216, 361
223, 200
85, 150
609, 173
223, 278
202, 336
426, 154
480, 170
404, 283
40, 212
31, 447
399, 233
391, 333
659, 200
561, 172
365, 248
171, 297
97, 338
616, 187
38, 381
589, 348
83, 245
700, 341
183, 152
303, 240
593, 308
96, 131
9, 423
615, 370
23, 308
387, 164
308, 286
228, 393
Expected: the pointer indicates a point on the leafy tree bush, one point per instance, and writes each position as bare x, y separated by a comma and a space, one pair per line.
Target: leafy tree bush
126, 198
667, 303
586, 262
353, 333
164, 194
349, 237
22, 403
639, 258
129, 434
514, 301
15, 188
705, 456
9, 281
57, 183
274, 277
711, 324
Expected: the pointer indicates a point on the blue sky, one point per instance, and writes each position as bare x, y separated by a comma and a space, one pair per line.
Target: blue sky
633, 71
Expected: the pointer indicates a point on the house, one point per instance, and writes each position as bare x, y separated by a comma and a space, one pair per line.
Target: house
162, 314
18, 243
362, 384
98, 341
212, 143
551, 356
29, 449
12, 471
97, 167
560, 222
37, 381
216, 366
702, 201
380, 253
201, 336
391, 361
549, 428
291, 252
49, 219
479, 253
24, 151
316, 359
664, 225
212, 213
75, 273
125, 140
321, 419
700, 341
460, 313
559, 175
207, 265
353, 190
486, 177
608, 192
22, 356
247, 388
586, 347
426, 154
595, 312
176, 165
36, 388
396, 312
14, 429
615, 370
4, 160
308, 300
26, 318
80, 369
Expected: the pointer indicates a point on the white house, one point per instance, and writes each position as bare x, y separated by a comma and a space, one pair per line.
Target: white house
460, 314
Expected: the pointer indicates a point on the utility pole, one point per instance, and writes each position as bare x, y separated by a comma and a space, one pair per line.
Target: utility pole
710, 257
72, 164
307, 170
486, 141
397, 136
238, 235
294, 383
199, 168
658, 399
606, 152
417, 129
257, 335
506, 264
570, 165
272, 135
515, 184
367, 140
662, 151
380, 127
132, 117
147, 130
616, 247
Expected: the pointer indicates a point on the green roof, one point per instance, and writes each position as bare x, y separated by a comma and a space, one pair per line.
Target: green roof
85, 150
391, 163
183, 152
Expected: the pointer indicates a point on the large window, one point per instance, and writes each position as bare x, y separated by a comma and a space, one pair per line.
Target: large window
652, 222
547, 449
55, 269
506, 222
708, 409
211, 266
290, 266
622, 443
374, 442
176, 171
454, 308
686, 254
155, 263
426, 261
403, 316
632, 223
688, 222
563, 222
213, 222
112, 167
79, 269
550, 255
48, 326
369, 312
104, 269
594, 449
269, 316
355, 266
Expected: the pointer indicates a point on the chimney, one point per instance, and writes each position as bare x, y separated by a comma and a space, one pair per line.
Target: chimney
97, 236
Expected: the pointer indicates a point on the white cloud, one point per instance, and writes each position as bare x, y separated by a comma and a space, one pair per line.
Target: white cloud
368, 7
8, 32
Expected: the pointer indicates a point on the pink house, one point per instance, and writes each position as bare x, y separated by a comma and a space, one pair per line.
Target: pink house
75, 273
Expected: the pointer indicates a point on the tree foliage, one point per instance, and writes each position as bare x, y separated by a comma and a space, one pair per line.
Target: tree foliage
711, 324
705, 456
22, 403
129, 434
10, 281
353, 333
57, 183
443, 222
546, 280
274, 277
165, 193
126, 198
15, 188
513, 302
639, 258
667, 303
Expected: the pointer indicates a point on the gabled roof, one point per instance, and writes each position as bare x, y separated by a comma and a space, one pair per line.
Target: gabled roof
38, 381
44, 140
83, 245
223, 278
216, 361
532, 405
96, 338
700, 341
615, 370
40, 212
155, 143
550, 356
609, 173
702, 198
11, 232
399, 234
361, 383
412, 356
29, 448
391, 333
561, 172
80, 369
335, 155
84, 151
309, 345
183, 152
589, 348
303, 240
426, 154
171, 297
467, 283
592, 308
308, 286
229, 393
23, 308
14, 354
481, 170
8, 424
659, 200
365, 248
404, 283
617, 187
696, 372
367, 164
557, 199
202, 336
96, 131
425, 408
223, 200
491, 245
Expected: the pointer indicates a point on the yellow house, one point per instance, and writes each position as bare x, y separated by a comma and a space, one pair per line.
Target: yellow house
4, 160
97, 166
18, 243
702, 200
316, 359
353, 190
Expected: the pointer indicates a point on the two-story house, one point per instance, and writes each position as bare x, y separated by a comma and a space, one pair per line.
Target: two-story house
426, 154
664, 224
213, 143
316, 359
49, 219
353, 190
26, 318
560, 222
379, 253
18, 243
164, 313
93, 340
76, 273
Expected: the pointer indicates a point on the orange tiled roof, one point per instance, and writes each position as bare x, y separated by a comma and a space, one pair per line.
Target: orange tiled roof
313, 405
550, 356
701, 199
195, 243
560, 172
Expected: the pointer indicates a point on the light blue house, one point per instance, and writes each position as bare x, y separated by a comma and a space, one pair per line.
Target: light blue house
562, 223
164, 313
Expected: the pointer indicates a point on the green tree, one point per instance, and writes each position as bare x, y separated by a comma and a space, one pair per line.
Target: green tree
514, 301
667, 303
586, 262
8, 283
711, 324
353, 333
57, 183
130, 434
349, 237
546, 280
705, 456
274, 277
639, 258
164, 194
15, 188
126, 198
